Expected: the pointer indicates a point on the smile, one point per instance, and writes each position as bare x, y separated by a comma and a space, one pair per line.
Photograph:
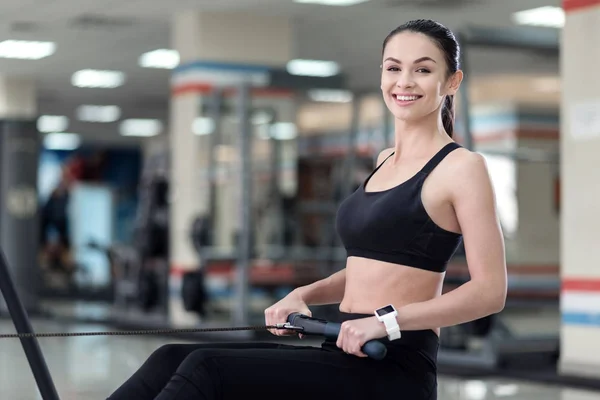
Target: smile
403, 99
406, 98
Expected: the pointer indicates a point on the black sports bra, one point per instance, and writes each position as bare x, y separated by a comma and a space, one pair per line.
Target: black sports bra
393, 226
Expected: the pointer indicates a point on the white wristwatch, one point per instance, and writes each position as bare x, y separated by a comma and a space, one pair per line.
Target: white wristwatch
387, 315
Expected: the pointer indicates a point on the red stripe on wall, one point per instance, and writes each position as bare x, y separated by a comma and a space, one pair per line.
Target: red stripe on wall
206, 88
581, 285
576, 5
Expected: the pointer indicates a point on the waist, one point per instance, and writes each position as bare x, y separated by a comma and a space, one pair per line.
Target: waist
371, 284
419, 346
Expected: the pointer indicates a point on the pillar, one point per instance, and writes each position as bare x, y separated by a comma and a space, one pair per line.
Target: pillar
520, 143
19, 151
537, 167
580, 208
219, 50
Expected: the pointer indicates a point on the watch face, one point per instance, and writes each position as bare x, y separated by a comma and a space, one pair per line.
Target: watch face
385, 310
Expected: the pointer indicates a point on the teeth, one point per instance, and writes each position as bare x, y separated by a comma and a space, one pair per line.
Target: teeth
406, 98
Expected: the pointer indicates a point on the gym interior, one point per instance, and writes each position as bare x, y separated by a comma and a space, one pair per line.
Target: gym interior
178, 165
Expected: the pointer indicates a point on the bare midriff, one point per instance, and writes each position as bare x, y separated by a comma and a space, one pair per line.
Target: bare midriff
371, 284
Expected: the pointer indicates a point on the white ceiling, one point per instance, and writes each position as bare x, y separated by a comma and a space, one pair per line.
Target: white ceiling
351, 36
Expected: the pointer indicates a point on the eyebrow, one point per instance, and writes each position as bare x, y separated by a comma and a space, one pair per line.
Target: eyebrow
418, 60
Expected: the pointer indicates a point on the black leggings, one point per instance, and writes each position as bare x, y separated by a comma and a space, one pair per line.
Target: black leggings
279, 371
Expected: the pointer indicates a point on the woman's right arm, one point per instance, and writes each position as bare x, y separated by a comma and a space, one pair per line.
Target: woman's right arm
329, 290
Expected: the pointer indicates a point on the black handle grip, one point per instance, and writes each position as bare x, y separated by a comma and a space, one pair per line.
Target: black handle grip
313, 326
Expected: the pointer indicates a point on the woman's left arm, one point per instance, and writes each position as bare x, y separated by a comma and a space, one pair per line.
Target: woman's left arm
473, 199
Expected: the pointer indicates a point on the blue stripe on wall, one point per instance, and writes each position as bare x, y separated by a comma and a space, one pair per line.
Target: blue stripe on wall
204, 65
586, 319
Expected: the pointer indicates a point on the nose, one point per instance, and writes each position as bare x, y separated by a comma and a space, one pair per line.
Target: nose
405, 80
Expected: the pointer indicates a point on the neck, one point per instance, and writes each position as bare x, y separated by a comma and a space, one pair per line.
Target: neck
416, 138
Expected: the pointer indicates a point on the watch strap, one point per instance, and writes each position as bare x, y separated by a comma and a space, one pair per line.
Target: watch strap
392, 328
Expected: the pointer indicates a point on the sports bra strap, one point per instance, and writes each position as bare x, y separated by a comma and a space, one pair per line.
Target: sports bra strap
379, 166
439, 156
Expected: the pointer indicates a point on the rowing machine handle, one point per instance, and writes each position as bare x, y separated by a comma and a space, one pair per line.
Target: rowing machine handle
314, 326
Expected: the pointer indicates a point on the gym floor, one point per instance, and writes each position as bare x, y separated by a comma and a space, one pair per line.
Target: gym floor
90, 367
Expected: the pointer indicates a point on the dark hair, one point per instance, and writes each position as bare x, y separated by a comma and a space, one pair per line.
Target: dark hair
447, 43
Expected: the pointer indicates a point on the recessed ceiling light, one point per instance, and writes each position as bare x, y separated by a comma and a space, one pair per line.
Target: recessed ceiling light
313, 68
161, 58
548, 16
203, 126
332, 2
284, 131
62, 141
91, 78
52, 123
26, 50
94, 113
140, 127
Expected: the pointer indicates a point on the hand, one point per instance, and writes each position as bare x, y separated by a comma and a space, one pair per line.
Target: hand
278, 312
355, 333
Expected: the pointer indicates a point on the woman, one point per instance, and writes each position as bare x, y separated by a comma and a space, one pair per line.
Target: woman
400, 228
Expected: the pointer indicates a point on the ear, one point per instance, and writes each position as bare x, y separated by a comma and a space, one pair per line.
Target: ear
454, 82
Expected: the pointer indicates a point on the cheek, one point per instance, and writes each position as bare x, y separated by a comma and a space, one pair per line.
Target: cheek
385, 81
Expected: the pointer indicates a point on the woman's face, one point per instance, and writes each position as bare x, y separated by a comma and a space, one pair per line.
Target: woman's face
414, 77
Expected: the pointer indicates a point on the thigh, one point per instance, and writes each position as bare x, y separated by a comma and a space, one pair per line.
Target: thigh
286, 372
159, 367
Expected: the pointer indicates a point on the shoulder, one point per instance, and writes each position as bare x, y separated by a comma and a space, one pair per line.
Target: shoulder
384, 154
468, 162
468, 174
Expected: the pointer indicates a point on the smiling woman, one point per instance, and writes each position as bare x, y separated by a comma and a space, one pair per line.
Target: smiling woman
400, 228
430, 67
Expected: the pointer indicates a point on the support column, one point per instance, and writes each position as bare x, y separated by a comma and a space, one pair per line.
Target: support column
215, 55
19, 153
580, 208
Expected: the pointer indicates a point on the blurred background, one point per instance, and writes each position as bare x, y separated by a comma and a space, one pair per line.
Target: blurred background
179, 164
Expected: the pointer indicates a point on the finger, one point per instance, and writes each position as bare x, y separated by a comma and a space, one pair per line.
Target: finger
358, 352
340, 341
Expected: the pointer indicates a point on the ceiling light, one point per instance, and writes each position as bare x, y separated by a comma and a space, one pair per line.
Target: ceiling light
283, 130
98, 79
548, 16
161, 58
261, 117
26, 50
203, 126
141, 127
62, 141
52, 123
331, 96
313, 68
332, 2
92, 113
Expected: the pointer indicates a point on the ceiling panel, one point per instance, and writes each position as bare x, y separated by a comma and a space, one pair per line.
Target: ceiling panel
112, 34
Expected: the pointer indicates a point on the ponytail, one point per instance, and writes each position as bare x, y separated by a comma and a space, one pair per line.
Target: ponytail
448, 115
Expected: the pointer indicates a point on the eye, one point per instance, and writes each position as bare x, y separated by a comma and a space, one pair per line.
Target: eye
423, 70
393, 69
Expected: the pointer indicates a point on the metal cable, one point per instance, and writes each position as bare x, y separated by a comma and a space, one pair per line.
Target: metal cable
138, 332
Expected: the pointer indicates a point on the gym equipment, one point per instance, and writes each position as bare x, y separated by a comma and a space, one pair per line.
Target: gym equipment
39, 368
314, 326
23, 326
139, 272
193, 292
490, 343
